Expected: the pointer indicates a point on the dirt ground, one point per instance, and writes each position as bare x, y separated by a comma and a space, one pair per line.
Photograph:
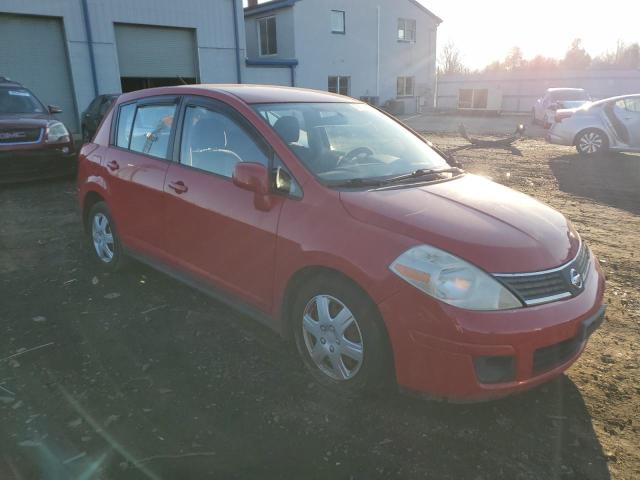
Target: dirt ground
135, 376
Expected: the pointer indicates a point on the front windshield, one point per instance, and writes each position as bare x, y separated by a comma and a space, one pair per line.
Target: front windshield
19, 100
339, 142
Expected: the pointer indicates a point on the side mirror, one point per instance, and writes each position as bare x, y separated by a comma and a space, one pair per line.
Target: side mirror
54, 109
255, 178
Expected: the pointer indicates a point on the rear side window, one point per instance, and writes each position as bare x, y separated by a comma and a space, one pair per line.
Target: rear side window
125, 121
152, 130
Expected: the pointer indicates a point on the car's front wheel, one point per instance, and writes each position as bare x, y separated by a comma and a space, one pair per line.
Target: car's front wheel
104, 244
591, 142
340, 336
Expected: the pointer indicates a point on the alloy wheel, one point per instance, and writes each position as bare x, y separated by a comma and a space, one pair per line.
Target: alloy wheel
591, 142
102, 234
333, 338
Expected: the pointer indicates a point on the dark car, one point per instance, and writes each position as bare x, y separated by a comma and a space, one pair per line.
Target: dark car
94, 114
33, 144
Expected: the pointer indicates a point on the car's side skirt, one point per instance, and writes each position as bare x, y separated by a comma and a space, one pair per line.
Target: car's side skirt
208, 289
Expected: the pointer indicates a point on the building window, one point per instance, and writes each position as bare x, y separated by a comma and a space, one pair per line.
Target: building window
473, 98
341, 85
406, 86
267, 36
406, 30
337, 21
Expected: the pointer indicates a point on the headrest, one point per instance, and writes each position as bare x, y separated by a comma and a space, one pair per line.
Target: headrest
288, 128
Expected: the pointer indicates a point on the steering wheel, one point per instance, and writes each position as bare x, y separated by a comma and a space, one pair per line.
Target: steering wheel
354, 154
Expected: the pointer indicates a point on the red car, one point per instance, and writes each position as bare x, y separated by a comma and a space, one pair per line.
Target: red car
341, 229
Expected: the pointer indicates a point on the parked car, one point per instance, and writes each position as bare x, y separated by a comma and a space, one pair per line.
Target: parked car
33, 144
610, 124
340, 228
544, 109
94, 114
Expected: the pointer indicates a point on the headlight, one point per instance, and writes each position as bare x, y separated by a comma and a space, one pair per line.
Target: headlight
452, 280
57, 133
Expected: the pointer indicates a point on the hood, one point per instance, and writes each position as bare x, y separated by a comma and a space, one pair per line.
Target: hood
24, 120
487, 224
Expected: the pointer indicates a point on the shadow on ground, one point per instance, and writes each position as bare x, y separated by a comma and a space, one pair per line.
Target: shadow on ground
613, 179
194, 390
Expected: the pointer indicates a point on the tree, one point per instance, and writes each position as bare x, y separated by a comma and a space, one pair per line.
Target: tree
625, 56
576, 57
514, 60
450, 61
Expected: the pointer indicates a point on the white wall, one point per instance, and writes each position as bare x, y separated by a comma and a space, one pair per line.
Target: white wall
355, 54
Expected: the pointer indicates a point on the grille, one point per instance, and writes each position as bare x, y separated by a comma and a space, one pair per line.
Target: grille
548, 358
19, 135
555, 284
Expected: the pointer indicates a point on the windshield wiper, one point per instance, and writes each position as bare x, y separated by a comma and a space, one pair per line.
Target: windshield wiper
379, 182
358, 182
422, 172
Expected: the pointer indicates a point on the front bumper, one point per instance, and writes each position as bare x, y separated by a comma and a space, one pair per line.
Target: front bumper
444, 351
34, 164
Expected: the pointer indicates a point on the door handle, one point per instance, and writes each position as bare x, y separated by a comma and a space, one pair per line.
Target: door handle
113, 165
179, 187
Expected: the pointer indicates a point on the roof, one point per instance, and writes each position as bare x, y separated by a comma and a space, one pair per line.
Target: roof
615, 99
251, 94
268, 7
562, 89
426, 10
278, 4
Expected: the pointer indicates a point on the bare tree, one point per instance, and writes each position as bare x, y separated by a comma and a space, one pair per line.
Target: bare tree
576, 57
450, 60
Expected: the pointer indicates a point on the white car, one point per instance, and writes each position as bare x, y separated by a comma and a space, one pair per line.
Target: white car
544, 110
609, 124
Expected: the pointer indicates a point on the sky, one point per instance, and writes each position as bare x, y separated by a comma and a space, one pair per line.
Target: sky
485, 31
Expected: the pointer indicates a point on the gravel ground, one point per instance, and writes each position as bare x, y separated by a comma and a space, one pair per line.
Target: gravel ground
135, 376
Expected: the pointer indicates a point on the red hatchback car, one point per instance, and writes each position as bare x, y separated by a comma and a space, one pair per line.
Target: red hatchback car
340, 228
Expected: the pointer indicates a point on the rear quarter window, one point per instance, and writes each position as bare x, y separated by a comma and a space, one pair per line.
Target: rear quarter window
125, 122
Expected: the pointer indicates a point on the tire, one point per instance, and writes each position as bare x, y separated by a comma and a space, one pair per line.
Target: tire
346, 348
591, 142
103, 241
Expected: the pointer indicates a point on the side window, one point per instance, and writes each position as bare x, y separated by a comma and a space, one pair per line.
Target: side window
213, 142
125, 121
633, 105
152, 129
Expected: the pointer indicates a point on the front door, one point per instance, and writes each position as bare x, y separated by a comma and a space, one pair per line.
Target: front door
137, 164
213, 228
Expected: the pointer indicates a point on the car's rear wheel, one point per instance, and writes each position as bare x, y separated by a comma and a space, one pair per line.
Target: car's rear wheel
104, 243
340, 336
591, 142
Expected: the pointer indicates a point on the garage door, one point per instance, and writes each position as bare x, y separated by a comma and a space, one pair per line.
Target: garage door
155, 52
33, 52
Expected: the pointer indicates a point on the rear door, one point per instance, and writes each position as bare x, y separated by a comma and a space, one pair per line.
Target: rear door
213, 228
137, 163
629, 114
